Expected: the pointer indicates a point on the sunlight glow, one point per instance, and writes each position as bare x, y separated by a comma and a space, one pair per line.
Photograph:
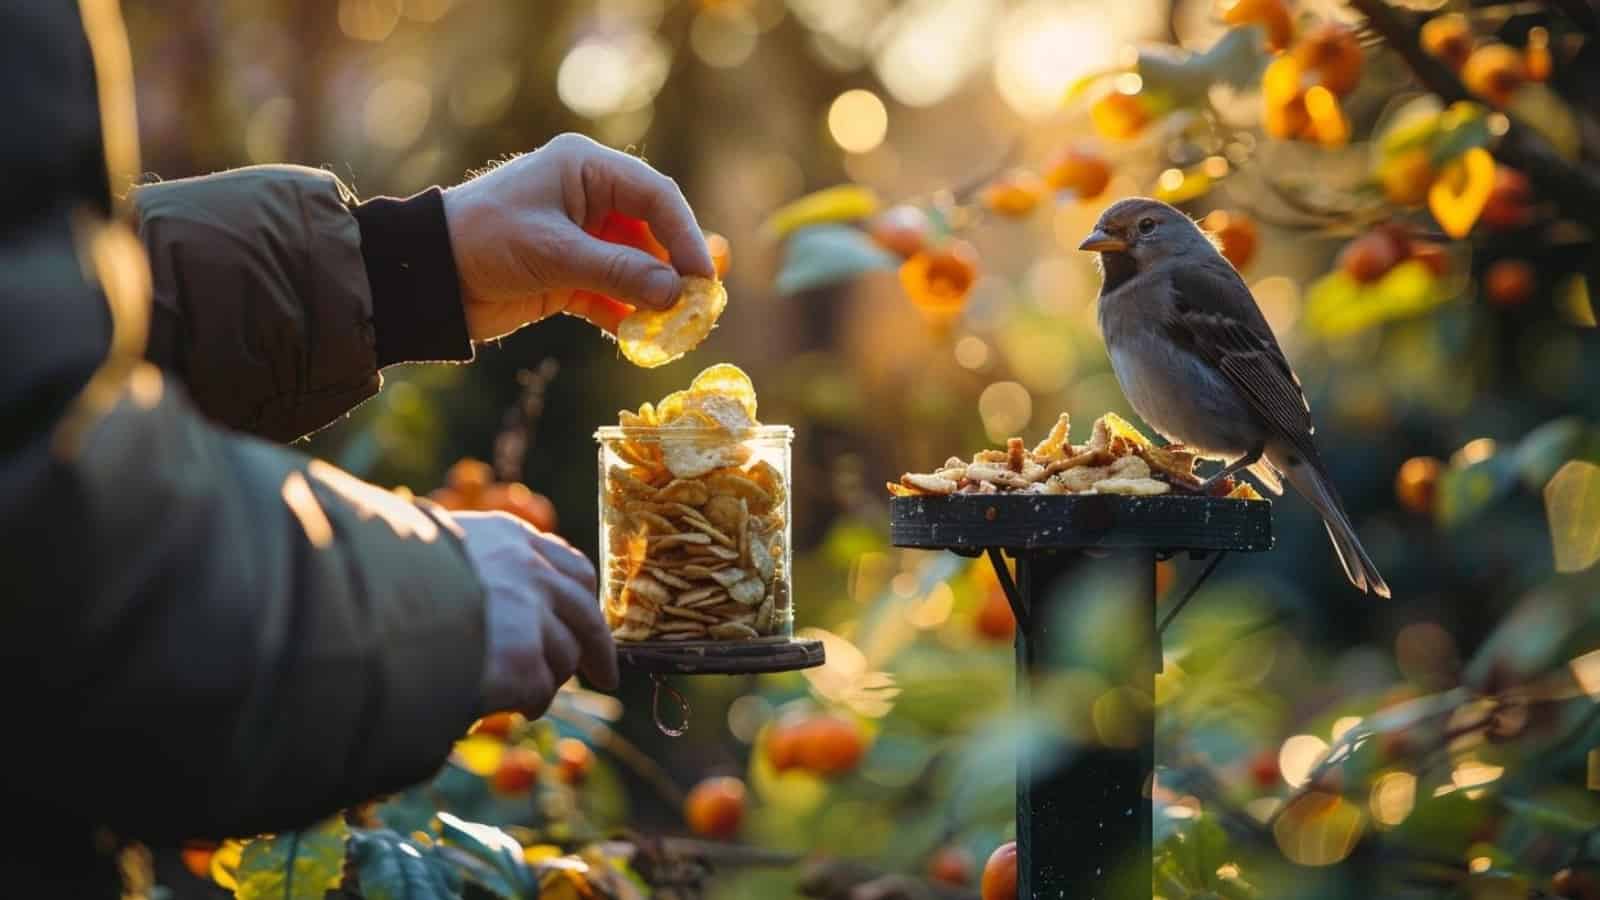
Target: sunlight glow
1042, 49
1005, 408
932, 49
601, 76
1299, 756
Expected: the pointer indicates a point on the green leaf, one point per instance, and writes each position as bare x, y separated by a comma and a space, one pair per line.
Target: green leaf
1572, 505
1466, 492
1544, 449
408, 812
1236, 59
393, 868
1537, 106
497, 851
825, 255
295, 865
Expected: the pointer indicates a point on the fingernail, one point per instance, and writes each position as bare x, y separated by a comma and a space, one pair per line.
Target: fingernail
661, 288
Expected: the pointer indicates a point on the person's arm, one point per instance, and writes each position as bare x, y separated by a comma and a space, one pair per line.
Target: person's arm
208, 634
278, 298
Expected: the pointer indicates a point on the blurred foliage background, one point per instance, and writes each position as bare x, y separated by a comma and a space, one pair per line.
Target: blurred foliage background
752, 103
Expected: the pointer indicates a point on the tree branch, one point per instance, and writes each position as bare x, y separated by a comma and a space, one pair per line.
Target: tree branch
1573, 189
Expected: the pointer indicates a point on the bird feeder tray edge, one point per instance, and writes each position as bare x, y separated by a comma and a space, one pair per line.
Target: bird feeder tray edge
975, 522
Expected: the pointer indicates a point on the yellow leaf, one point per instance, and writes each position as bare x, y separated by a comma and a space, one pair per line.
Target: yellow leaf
1459, 194
1575, 304
1177, 186
842, 203
225, 864
479, 754
540, 853
1572, 505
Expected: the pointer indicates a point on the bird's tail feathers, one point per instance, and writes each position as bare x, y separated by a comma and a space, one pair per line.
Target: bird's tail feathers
1268, 475
1313, 484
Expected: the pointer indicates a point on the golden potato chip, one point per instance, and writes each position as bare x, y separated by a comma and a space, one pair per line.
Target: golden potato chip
691, 493
674, 540
725, 381
647, 590
650, 337
734, 482
1111, 426
1055, 443
1141, 487
683, 612
733, 631
919, 483
668, 579
1244, 491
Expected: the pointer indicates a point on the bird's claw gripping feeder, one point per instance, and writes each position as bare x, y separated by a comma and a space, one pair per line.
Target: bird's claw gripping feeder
1084, 814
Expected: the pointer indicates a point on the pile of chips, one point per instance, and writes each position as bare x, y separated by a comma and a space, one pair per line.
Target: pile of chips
695, 518
1118, 459
655, 337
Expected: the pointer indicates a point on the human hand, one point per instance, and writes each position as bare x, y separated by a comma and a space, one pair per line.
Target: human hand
543, 621
520, 241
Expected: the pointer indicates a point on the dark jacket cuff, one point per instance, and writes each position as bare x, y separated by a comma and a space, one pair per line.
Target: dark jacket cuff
416, 291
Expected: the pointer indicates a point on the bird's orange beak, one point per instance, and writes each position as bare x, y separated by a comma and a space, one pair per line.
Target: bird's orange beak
1099, 241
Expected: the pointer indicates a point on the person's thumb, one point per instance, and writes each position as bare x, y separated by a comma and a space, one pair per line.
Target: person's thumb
619, 271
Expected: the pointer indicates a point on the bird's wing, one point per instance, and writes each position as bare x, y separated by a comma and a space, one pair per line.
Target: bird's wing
1215, 317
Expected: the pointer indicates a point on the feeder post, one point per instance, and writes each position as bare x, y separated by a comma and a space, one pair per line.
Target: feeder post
1083, 815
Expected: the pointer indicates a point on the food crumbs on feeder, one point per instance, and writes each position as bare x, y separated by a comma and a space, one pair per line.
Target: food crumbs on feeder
1117, 459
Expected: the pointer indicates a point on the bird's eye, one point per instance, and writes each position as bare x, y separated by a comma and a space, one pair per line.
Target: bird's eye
1147, 225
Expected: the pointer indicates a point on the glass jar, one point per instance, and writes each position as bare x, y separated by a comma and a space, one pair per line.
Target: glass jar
694, 534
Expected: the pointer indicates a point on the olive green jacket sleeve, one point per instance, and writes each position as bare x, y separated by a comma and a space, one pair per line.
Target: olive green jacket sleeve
261, 301
205, 633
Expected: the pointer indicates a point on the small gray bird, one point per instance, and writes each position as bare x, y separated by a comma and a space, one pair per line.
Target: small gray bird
1199, 363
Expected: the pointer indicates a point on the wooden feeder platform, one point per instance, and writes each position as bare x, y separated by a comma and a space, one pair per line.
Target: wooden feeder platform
1084, 814
750, 657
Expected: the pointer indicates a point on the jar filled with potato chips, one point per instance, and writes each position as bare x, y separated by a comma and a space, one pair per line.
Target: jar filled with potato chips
694, 524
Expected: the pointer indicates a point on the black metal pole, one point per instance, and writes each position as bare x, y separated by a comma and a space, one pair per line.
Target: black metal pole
1083, 816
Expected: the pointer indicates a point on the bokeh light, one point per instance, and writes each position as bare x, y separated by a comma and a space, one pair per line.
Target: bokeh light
396, 112
1299, 756
1043, 47
972, 353
724, 36
601, 76
1006, 408
368, 20
858, 121
1394, 795
932, 48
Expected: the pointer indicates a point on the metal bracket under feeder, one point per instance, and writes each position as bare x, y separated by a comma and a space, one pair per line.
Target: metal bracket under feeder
1083, 819
662, 658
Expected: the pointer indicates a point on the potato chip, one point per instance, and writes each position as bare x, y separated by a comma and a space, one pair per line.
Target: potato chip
683, 612
929, 484
726, 381
689, 493
737, 483
1055, 443
650, 337
733, 631
749, 592
1141, 487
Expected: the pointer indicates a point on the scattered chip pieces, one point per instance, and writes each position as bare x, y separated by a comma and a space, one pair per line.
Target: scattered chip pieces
655, 337
695, 519
1117, 459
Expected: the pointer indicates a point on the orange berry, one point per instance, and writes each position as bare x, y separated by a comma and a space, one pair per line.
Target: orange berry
1014, 196
620, 229
448, 497
1236, 233
1431, 255
952, 865
1272, 15
1494, 72
470, 477
830, 746
783, 742
1509, 282
1416, 484
518, 771
715, 807
1510, 204
1264, 769
1083, 171
1536, 56
996, 621
1448, 37
902, 229
196, 856
516, 498
1119, 117
499, 724
574, 759
1406, 177
1000, 873
939, 280
1287, 120
1371, 256
721, 253
1332, 51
